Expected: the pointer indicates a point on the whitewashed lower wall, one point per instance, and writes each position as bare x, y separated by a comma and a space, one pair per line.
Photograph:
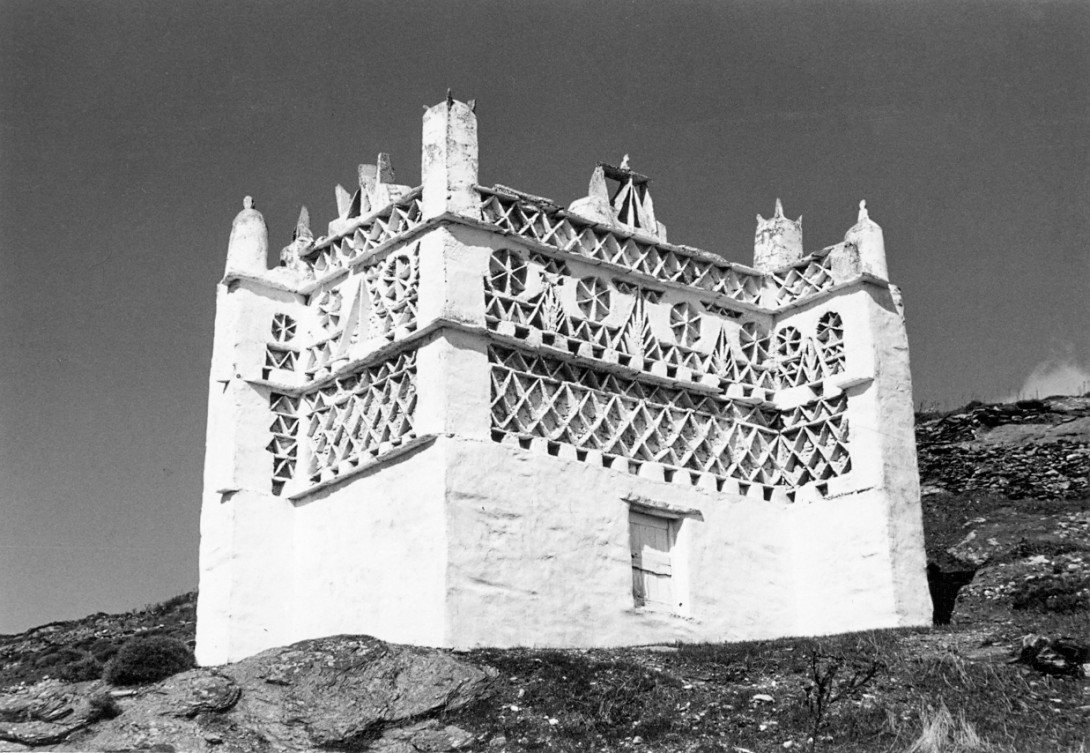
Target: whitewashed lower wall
370, 556
245, 601
544, 559
470, 543
367, 556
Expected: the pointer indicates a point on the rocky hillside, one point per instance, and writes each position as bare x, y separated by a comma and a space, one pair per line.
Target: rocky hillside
1007, 519
55, 650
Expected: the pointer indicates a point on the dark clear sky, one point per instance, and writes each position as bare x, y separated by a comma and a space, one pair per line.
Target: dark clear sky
132, 130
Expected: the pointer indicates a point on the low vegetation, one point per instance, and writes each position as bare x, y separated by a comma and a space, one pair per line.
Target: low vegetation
79, 650
1064, 593
148, 659
921, 690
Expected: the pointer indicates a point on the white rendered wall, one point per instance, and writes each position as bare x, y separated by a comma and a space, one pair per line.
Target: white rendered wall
539, 555
241, 608
884, 482
369, 555
529, 549
245, 603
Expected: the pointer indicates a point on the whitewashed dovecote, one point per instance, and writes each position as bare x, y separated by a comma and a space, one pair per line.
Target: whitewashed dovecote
468, 416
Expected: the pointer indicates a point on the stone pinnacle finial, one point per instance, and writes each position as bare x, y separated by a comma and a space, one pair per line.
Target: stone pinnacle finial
449, 160
302, 226
866, 235
384, 169
249, 244
624, 163
778, 241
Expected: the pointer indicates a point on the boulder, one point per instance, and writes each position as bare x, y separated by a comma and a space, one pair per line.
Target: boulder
1054, 656
346, 690
343, 692
50, 711
190, 693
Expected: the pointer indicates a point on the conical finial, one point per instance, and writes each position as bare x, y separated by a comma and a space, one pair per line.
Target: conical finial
472, 106
779, 209
247, 249
624, 163
302, 227
598, 188
867, 237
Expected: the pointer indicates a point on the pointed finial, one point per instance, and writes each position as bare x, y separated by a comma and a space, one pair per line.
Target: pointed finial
472, 106
624, 163
248, 202
302, 227
450, 99
863, 215
779, 209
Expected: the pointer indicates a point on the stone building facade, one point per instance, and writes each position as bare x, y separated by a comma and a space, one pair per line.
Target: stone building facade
468, 416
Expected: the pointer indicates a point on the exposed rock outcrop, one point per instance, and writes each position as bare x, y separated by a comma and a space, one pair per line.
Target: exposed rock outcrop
1055, 656
1037, 449
51, 711
343, 693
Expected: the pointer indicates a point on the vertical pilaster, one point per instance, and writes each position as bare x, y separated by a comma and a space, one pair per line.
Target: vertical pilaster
448, 161
453, 370
888, 425
239, 418
245, 557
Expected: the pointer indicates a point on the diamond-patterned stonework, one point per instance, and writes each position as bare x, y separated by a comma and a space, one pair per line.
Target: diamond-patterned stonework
564, 232
385, 226
284, 446
360, 416
632, 421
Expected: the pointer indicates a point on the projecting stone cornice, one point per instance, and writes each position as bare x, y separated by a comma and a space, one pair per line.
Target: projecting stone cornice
772, 293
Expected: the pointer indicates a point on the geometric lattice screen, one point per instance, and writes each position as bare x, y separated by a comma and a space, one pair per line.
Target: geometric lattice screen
580, 398
691, 433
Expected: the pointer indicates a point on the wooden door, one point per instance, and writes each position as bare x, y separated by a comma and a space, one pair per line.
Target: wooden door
652, 540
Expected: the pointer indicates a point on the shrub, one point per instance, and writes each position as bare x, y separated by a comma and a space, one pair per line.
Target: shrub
103, 649
81, 670
54, 657
148, 659
103, 706
1048, 547
1053, 593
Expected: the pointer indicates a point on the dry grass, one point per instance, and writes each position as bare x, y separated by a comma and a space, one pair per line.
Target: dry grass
943, 733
